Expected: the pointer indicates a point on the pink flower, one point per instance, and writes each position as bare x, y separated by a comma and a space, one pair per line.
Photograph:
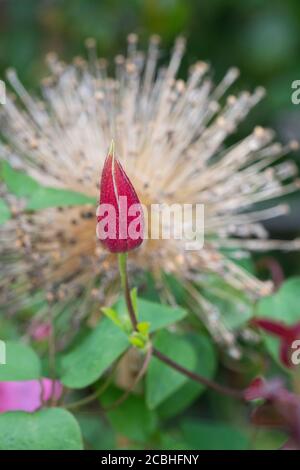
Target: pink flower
27, 395
260, 388
281, 407
285, 333
120, 214
41, 331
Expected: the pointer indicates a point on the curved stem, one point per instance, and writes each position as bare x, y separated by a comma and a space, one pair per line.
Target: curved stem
196, 377
158, 354
139, 376
275, 269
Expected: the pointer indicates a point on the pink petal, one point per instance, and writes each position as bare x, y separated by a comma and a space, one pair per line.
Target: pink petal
26, 395
260, 388
41, 332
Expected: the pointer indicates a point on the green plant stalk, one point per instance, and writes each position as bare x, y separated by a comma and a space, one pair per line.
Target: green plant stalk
122, 258
159, 355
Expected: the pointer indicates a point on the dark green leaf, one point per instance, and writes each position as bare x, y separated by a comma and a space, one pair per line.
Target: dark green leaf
97, 435
132, 418
204, 435
206, 366
162, 380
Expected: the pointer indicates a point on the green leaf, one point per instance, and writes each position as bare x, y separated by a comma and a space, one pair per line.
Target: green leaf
8, 328
4, 212
138, 340
52, 197
147, 286
162, 380
143, 327
97, 435
175, 287
40, 197
48, 429
283, 306
93, 355
158, 315
190, 391
18, 182
205, 435
22, 363
131, 418
112, 315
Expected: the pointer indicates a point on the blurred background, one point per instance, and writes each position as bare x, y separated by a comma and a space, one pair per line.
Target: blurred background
261, 37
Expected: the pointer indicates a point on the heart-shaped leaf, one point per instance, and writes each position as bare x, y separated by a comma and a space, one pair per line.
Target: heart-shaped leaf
48, 429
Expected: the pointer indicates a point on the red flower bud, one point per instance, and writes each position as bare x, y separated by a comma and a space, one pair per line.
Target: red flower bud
286, 334
120, 215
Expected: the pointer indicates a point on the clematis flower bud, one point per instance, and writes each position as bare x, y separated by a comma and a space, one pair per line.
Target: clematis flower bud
120, 215
285, 333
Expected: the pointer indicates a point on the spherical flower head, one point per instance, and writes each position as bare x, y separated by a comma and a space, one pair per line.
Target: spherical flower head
120, 215
173, 134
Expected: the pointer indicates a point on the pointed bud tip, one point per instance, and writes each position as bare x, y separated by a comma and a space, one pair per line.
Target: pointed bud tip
120, 217
111, 150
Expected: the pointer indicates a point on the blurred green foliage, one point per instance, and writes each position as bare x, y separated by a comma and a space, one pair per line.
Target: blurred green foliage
260, 36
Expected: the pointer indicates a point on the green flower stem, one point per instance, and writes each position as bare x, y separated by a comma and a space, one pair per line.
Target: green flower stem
122, 257
159, 355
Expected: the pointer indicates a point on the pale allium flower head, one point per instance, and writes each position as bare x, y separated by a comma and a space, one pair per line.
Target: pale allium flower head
170, 136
